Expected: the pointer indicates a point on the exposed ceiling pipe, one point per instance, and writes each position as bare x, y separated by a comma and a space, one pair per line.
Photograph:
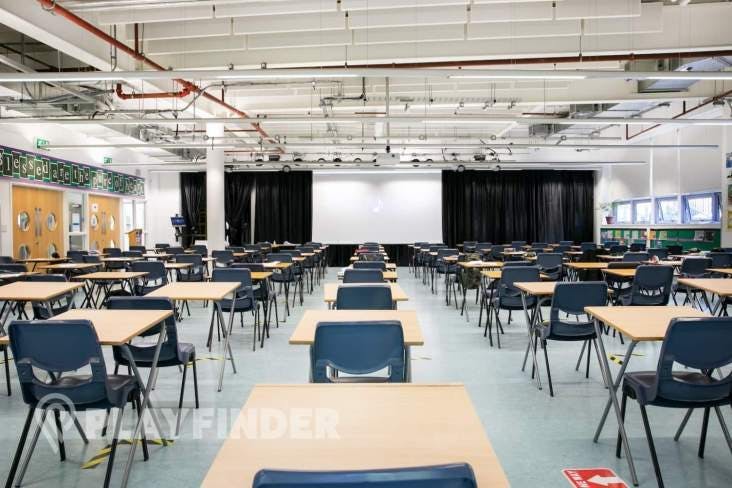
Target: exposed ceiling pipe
53, 7
138, 96
678, 116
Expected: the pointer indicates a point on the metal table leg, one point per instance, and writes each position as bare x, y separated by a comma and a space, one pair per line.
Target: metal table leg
531, 321
227, 334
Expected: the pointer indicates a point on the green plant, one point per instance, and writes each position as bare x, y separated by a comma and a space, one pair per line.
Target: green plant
607, 207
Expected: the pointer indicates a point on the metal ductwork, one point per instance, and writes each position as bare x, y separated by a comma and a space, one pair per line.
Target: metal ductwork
675, 64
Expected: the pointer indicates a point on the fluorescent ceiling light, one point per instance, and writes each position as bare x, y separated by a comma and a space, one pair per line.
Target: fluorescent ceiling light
518, 77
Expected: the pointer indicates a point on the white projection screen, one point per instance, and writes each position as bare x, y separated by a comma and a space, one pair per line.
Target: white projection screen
387, 207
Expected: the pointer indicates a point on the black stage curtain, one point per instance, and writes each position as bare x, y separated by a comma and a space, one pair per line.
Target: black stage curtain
238, 202
543, 206
339, 255
193, 203
284, 207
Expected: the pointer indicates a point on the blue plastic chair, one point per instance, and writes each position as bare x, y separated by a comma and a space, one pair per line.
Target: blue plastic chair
286, 277
64, 346
156, 276
12, 268
263, 291
363, 276
161, 245
702, 346
200, 249
720, 259
551, 264
59, 305
380, 265
693, 267
364, 297
508, 297
571, 299
637, 247
140, 249
617, 249
652, 286
223, 258
619, 285
518, 244
193, 273
443, 476
132, 254
244, 301
172, 352
635, 257
566, 243
588, 246
6, 260
659, 252
358, 348
174, 250
112, 252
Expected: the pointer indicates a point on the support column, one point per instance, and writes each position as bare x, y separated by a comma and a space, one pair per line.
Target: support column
215, 221
726, 148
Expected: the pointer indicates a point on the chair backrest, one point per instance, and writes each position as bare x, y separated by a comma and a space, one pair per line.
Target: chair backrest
572, 298
112, 252
540, 245
169, 348
47, 278
279, 256
137, 248
518, 244
497, 252
242, 276
470, 243
623, 265
6, 260
132, 254
609, 243
364, 297
363, 276
175, 250
635, 257
562, 248
720, 259
12, 268
58, 346
482, 246
659, 252
358, 348
618, 249
515, 274
161, 245
291, 252
223, 257
92, 258
195, 259
588, 246
700, 344
652, 285
444, 476
637, 247
675, 249
695, 267
155, 270
548, 260
199, 249
253, 267
371, 256
444, 252
76, 256
566, 243
513, 264
380, 265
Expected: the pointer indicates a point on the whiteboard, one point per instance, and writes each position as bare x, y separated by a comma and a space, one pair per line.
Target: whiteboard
387, 207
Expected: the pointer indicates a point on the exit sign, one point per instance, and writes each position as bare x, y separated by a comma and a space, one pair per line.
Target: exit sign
107, 160
41, 143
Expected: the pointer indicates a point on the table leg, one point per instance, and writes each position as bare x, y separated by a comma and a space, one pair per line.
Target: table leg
531, 321
613, 400
408, 363
227, 334
146, 391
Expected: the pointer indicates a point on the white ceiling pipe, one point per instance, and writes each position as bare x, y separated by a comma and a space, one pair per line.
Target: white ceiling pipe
358, 119
334, 73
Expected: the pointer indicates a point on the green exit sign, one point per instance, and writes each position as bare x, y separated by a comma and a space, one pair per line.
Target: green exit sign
107, 160
41, 143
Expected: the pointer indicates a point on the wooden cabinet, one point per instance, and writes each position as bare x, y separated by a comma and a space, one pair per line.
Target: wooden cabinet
37, 222
104, 222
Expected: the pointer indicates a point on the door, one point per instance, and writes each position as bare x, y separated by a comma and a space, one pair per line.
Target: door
104, 222
37, 222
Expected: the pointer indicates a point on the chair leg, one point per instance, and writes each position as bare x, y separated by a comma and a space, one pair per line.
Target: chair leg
60, 434
722, 424
19, 450
589, 350
703, 438
113, 448
180, 400
195, 380
138, 406
623, 406
7, 370
651, 446
548, 371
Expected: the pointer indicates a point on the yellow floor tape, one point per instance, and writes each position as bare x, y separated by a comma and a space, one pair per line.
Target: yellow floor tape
104, 453
618, 358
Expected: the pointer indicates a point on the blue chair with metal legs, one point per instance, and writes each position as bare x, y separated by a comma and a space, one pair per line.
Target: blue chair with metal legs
518, 244
508, 297
637, 247
701, 346
200, 249
659, 252
358, 348
566, 243
551, 264
652, 286
60, 305
172, 352
635, 257
263, 291
588, 246
140, 249
617, 249
363, 276
364, 297
155, 278
65, 346
571, 299
693, 267
285, 277
244, 301
162, 245
223, 258
6, 260
443, 476
720, 259
12, 268
380, 265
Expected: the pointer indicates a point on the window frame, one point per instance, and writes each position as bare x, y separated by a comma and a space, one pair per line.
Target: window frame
634, 213
716, 207
617, 204
670, 198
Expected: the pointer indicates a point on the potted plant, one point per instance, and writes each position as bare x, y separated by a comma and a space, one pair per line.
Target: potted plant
607, 207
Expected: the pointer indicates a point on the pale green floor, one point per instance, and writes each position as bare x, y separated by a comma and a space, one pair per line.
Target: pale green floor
534, 436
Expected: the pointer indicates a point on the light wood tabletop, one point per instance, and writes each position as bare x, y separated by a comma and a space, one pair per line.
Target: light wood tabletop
121, 259
42, 260
157, 255
610, 257
69, 266
15, 276
111, 275
537, 288
388, 275
725, 271
620, 272
642, 323
373, 426
36, 291
304, 333
261, 275
357, 258
495, 274
583, 265
331, 291
277, 265
480, 264
117, 327
178, 265
210, 290
719, 286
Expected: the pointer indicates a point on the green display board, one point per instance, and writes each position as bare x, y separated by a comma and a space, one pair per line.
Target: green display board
35, 167
688, 238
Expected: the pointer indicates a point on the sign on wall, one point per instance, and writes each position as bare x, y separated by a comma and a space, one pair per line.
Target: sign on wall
34, 167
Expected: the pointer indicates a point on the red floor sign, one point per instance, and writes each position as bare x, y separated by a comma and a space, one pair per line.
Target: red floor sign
593, 478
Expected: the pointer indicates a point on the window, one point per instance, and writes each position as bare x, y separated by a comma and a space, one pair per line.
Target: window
701, 208
642, 212
667, 210
623, 213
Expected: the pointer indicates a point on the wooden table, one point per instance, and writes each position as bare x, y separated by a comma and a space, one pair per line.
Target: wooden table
32, 291
106, 279
16, 276
121, 259
304, 333
721, 287
373, 426
724, 271
357, 258
67, 268
610, 257
213, 291
280, 265
36, 261
640, 324
574, 268
158, 255
388, 275
331, 292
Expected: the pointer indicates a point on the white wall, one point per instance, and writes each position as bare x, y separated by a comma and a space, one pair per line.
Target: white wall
163, 201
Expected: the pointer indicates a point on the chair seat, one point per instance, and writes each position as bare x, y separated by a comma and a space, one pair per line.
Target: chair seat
243, 304
119, 388
641, 300
360, 379
639, 384
581, 331
513, 303
184, 353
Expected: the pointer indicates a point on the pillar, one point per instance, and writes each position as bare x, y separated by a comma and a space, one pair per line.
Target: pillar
215, 216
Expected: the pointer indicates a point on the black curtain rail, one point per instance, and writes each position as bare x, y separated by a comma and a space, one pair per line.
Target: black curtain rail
498, 207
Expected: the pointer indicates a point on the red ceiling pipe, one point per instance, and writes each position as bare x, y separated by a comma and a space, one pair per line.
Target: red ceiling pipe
52, 6
684, 112
137, 96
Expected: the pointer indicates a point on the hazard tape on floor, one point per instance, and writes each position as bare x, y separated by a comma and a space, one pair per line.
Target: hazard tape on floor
207, 359
9, 360
104, 453
618, 358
